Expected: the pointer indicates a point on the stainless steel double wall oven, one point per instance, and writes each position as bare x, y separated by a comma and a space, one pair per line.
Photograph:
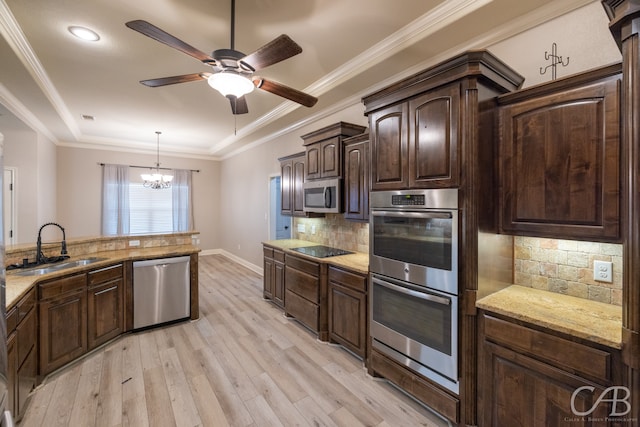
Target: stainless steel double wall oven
414, 280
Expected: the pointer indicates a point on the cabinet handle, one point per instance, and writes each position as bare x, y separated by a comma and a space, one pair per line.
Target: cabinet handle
106, 290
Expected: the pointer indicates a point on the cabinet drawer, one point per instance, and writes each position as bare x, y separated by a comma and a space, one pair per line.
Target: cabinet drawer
309, 267
354, 281
26, 304
267, 252
12, 320
61, 286
105, 274
303, 310
278, 255
556, 351
27, 330
301, 283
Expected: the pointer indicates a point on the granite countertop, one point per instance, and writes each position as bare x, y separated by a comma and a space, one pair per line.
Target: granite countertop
594, 321
357, 261
18, 286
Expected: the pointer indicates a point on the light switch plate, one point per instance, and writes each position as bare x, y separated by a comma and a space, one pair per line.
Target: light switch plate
301, 228
602, 271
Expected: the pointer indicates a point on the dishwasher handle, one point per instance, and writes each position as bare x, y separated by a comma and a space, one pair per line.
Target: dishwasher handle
161, 261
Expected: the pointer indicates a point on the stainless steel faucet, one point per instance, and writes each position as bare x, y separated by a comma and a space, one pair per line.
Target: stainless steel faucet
40, 258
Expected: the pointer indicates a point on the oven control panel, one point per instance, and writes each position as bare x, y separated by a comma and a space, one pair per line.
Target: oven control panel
407, 200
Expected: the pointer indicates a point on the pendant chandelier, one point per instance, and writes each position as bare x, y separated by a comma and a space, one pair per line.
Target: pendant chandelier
156, 180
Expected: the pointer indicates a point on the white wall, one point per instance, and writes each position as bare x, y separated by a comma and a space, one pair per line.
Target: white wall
34, 159
80, 184
245, 186
582, 36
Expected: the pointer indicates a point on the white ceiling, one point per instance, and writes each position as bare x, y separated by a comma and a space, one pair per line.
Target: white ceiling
49, 79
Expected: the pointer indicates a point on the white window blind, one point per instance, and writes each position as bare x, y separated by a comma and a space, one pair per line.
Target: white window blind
150, 210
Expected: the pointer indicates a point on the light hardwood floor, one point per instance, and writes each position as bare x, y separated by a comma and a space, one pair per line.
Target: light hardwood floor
241, 364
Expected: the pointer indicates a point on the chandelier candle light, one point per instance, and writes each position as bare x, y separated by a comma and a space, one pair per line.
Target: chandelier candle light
157, 180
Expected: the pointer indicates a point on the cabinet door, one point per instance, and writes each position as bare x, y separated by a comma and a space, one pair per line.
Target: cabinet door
278, 283
348, 317
330, 166
433, 138
12, 366
105, 312
63, 330
560, 161
389, 151
298, 187
267, 291
312, 160
286, 182
517, 390
356, 183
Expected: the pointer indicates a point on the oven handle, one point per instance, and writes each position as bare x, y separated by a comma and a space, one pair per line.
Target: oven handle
413, 214
421, 295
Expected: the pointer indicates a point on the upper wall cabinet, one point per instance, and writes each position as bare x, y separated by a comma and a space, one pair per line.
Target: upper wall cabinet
417, 125
356, 177
292, 170
323, 149
560, 158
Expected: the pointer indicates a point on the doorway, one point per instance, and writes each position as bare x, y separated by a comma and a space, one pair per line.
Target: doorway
8, 206
279, 225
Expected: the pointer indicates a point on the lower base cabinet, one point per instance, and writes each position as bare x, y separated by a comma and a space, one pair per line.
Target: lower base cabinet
306, 293
63, 321
348, 309
79, 313
22, 363
529, 378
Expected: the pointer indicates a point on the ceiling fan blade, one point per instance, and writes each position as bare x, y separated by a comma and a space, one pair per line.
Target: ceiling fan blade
271, 53
238, 105
157, 34
185, 78
285, 91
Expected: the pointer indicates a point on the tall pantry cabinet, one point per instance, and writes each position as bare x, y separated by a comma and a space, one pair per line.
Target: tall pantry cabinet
436, 130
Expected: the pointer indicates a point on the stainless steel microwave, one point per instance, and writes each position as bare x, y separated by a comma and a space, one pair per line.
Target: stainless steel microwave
323, 196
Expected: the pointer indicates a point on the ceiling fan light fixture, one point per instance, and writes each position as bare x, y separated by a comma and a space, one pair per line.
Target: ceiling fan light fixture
230, 83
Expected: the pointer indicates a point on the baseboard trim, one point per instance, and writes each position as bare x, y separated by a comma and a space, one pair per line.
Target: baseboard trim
235, 258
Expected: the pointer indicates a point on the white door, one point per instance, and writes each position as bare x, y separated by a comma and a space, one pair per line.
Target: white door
8, 205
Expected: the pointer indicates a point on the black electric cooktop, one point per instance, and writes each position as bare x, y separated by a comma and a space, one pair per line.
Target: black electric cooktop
321, 251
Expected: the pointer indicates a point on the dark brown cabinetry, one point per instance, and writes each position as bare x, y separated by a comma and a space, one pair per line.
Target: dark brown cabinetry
415, 143
560, 158
528, 377
21, 353
305, 299
105, 305
323, 150
348, 309
356, 177
63, 321
78, 313
292, 170
436, 129
273, 275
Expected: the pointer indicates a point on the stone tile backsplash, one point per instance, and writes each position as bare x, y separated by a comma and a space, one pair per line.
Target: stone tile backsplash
566, 267
333, 230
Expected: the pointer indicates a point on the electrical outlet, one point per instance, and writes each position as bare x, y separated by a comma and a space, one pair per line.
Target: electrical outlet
134, 242
602, 271
301, 228
313, 229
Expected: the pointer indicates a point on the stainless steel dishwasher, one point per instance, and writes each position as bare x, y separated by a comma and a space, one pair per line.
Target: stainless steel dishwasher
161, 291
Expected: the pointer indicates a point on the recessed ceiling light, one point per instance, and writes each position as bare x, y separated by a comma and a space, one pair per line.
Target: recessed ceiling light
84, 33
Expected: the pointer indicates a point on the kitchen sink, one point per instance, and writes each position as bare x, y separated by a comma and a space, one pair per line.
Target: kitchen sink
57, 267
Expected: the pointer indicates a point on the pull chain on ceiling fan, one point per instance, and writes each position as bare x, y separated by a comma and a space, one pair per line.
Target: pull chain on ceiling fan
232, 73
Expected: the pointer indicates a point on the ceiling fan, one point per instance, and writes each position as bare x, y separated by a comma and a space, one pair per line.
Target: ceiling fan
232, 70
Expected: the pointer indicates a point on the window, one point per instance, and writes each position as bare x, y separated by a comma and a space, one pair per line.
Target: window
130, 208
150, 211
